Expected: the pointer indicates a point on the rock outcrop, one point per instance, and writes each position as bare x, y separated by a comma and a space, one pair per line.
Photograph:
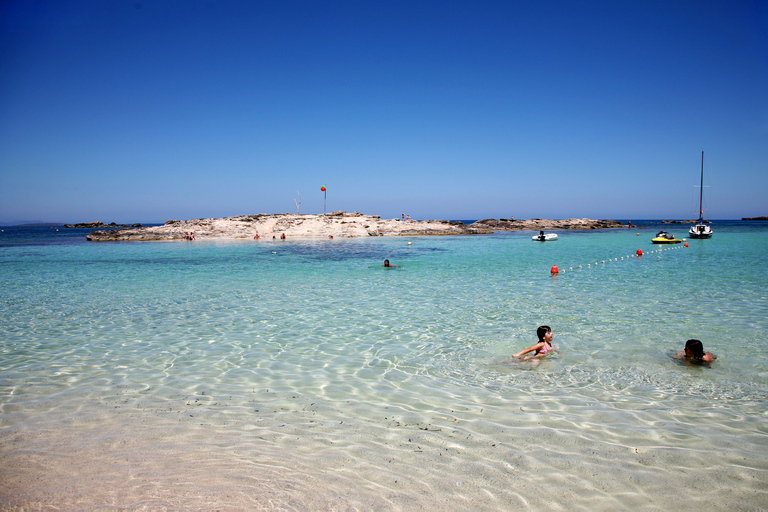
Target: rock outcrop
544, 224
338, 224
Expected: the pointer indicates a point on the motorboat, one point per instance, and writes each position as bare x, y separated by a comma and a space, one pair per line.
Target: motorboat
541, 237
701, 230
662, 237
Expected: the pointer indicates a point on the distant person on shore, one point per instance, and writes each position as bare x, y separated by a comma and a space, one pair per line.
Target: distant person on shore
541, 348
257, 237
282, 236
694, 352
388, 265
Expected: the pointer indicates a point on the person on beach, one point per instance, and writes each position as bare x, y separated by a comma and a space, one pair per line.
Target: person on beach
282, 236
694, 352
542, 347
387, 264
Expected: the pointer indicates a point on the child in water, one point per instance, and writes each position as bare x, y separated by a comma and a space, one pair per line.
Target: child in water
543, 346
694, 351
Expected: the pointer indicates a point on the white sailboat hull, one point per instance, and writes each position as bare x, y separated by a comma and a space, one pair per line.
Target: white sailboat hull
700, 231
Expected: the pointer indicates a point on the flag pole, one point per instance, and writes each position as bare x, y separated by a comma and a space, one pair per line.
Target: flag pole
325, 197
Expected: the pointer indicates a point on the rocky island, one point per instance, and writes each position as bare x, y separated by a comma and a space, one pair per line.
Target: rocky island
338, 224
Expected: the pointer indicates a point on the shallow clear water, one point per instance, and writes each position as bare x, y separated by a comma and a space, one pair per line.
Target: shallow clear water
299, 375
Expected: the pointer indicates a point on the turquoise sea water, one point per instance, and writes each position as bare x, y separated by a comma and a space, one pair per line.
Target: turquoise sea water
303, 375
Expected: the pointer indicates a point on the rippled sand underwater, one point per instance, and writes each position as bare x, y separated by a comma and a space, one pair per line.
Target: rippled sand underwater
304, 376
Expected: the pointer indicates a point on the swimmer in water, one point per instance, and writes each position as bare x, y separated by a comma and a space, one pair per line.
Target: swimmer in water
694, 352
386, 264
543, 346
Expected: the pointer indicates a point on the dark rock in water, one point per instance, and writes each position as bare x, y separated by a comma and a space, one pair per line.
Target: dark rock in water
542, 224
755, 218
99, 224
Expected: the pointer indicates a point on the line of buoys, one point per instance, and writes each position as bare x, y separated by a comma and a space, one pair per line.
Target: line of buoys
555, 271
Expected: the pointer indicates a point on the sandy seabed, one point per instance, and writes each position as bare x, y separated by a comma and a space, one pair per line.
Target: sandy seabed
325, 460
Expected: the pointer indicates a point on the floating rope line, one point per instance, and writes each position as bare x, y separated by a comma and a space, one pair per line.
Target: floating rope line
556, 271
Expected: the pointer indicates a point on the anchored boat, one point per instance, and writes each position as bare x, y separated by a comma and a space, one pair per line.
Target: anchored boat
701, 230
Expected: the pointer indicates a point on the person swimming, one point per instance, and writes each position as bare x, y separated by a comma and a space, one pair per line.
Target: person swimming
544, 345
387, 264
694, 351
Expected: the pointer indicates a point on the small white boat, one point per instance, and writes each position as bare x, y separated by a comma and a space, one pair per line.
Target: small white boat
541, 237
701, 230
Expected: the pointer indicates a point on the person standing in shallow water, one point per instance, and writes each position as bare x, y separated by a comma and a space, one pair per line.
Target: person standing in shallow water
544, 345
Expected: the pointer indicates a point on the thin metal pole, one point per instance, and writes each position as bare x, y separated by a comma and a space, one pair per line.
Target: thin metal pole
701, 189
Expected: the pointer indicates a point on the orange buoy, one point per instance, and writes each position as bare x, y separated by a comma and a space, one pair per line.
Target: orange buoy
639, 252
686, 244
554, 270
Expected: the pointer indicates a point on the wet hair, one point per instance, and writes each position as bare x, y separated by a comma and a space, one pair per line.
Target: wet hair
696, 348
542, 331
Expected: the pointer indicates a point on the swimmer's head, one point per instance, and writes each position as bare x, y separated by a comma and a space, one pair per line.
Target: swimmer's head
694, 348
542, 331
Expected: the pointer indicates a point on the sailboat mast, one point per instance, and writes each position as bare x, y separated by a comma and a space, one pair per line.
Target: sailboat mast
701, 189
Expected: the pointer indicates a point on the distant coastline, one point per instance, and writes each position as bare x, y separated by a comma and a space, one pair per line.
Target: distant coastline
99, 224
684, 221
755, 218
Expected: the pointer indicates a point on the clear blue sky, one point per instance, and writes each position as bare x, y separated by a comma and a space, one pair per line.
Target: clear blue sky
144, 111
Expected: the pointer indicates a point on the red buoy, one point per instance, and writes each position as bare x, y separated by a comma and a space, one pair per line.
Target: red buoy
554, 270
686, 244
639, 252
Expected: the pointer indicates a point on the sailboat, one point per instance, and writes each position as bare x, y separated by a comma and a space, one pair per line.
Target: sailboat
701, 230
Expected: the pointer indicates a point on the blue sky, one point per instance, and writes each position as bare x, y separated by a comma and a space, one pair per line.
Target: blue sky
144, 111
